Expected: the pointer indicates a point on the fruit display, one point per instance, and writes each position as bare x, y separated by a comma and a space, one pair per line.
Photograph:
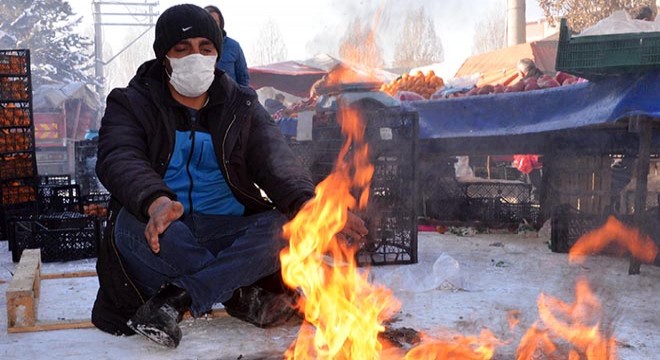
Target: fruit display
418, 83
529, 84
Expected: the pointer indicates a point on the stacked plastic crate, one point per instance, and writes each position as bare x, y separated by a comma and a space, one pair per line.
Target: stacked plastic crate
18, 165
391, 214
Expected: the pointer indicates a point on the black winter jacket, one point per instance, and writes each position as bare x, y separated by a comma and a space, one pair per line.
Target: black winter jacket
136, 140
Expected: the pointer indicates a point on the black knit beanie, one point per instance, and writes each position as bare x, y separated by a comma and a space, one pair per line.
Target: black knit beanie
185, 21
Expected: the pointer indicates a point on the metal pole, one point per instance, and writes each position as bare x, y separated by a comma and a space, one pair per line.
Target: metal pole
98, 52
642, 125
516, 22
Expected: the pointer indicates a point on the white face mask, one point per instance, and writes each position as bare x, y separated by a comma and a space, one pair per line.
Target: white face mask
192, 75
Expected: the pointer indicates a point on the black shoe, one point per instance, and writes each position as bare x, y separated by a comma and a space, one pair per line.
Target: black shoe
158, 318
260, 307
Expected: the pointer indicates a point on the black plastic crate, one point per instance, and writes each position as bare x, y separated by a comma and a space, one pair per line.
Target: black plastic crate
304, 151
15, 116
15, 88
54, 180
14, 62
19, 191
568, 225
391, 134
61, 237
57, 199
512, 192
17, 165
16, 139
96, 204
85, 166
10, 212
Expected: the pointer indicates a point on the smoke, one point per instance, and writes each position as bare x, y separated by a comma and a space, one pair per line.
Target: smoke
454, 23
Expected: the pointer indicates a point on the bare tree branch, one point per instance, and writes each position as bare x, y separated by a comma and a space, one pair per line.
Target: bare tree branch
581, 14
418, 43
270, 47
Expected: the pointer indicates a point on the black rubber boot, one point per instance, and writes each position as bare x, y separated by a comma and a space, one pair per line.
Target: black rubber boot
158, 318
260, 307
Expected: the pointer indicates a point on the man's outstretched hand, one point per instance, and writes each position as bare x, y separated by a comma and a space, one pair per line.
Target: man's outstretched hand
162, 212
355, 229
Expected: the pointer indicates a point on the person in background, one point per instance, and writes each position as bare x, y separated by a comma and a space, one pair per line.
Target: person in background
527, 69
642, 12
232, 60
181, 151
276, 104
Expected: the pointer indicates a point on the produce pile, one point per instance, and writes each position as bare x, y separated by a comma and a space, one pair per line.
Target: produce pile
542, 82
419, 83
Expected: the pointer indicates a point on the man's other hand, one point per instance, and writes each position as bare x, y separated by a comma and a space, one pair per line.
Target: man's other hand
162, 212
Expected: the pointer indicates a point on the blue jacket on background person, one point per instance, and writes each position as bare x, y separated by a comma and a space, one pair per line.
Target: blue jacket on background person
232, 61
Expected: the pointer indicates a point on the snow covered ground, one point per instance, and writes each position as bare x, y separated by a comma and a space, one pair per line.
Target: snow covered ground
474, 283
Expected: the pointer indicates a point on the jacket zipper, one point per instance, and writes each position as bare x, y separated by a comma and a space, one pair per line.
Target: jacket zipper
225, 161
190, 177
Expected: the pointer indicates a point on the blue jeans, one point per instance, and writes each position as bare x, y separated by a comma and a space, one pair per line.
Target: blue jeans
209, 256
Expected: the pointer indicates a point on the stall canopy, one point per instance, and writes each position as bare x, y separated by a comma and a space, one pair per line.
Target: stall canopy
499, 66
292, 77
583, 105
297, 77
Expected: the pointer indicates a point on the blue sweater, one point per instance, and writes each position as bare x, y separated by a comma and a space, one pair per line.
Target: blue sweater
233, 61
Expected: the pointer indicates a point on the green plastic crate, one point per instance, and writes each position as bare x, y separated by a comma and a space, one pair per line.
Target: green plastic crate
596, 56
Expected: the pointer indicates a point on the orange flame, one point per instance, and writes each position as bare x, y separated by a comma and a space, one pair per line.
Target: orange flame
577, 324
614, 233
345, 310
480, 347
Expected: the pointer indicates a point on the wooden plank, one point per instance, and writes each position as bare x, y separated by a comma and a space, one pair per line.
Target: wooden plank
641, 173
48, 326
83, 324
23, 291
75, 274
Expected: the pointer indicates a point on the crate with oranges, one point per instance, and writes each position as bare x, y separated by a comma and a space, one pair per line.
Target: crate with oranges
17, 192
20, 165
13, 62
14, 116
15, 140
14, 88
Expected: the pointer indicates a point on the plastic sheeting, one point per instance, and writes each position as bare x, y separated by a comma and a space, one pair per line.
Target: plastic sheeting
598, 103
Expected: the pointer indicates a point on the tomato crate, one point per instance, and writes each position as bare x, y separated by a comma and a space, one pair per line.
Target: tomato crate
14, 62
96, 204
61, 237
19, 191
18, 165
600, 55
391, 217
16, 139
15, 88
15, 116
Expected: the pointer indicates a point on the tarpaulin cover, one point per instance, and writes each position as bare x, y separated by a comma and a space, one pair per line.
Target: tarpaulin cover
289, 76
597, 103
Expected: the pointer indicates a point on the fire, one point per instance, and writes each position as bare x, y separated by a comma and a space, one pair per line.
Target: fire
614, 233
480, 347
577, 324
344, 309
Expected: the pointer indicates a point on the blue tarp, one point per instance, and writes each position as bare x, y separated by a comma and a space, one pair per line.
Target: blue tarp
581, 105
